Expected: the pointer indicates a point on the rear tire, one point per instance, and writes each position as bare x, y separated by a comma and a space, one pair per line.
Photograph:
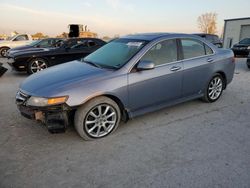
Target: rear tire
97, 118
36, 65
3, 51
214, 89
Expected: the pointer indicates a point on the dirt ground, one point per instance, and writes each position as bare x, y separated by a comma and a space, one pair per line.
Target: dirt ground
194, 144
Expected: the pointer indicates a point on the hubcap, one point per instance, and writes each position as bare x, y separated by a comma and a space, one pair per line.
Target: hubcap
100, 121
215, 88
38, 65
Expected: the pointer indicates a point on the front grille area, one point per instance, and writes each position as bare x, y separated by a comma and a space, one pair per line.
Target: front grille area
21, 98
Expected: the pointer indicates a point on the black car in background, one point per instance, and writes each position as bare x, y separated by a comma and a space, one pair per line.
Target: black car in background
43, 43
214, 39
242, 48
32, 60
248, 62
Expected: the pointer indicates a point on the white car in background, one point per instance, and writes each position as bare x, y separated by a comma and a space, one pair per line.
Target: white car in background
15, 41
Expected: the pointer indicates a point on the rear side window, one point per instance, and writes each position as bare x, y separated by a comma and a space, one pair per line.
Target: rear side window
163, 52
192, 48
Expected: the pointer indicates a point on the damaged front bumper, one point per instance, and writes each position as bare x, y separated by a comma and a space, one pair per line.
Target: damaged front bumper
56, 118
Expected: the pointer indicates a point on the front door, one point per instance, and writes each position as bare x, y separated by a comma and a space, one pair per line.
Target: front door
160, 85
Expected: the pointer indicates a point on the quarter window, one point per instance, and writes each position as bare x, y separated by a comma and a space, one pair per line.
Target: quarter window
161, 53
192, 48
209, 51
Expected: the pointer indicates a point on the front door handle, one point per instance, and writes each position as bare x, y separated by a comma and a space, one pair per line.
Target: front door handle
175, 68
210, 60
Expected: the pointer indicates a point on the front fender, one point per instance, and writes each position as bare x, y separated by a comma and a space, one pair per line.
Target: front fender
83, 93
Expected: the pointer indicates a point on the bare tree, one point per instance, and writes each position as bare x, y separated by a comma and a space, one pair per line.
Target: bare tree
207, 23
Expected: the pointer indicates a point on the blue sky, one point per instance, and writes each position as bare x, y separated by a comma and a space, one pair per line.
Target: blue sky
110, 17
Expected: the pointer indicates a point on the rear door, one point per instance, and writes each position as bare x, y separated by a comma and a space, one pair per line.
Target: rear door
197, 65
161, 84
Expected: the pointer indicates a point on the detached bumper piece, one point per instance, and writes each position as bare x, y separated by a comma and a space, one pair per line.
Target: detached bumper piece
2, 69
55, 118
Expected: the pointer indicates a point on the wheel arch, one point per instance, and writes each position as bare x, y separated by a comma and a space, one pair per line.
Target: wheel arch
224, 78
37, 57
117, 100
4, 47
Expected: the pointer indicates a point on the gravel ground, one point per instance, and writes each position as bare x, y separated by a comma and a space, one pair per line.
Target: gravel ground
193, 144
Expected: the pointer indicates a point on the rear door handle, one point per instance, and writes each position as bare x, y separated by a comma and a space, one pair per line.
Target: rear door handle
175, 68
210, 60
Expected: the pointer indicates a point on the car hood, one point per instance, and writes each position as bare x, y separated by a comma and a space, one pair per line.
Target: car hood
21, 48
4, 41
31, 51
60, 78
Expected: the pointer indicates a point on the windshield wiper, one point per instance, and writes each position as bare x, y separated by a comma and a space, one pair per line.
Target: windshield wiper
92, 63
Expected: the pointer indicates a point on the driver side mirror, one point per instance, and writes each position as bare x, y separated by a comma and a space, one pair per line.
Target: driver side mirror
145, 65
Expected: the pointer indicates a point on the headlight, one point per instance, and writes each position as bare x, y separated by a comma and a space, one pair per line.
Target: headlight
248, 47
40, 101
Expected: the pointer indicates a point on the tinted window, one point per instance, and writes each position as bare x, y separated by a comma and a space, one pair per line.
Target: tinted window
163, 52
192, 48
80, 45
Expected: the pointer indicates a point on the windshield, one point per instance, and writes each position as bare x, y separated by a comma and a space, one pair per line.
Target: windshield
116, 53
245, 41
34, 42
11, 38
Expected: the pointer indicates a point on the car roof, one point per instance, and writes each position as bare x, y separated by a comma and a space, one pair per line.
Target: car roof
153, 36
204, 34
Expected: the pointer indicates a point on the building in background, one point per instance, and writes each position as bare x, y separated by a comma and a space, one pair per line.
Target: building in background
235, 30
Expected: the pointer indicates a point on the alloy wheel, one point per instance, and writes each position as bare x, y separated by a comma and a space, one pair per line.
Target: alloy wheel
100, 120
215, 88
37, 66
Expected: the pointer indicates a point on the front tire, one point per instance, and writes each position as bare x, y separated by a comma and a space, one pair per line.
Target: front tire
3, 51
36, 65
214, 89
97, 118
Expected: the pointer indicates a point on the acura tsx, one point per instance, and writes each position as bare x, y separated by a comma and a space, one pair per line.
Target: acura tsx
127, 77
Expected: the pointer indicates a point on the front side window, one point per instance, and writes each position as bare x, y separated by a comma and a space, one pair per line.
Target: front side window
163, 52
80, 45
115, 54
192, 48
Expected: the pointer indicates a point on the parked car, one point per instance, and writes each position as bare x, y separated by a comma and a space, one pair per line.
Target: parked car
248, 61
34, 60
242, 48
214, 39
15, 41
125, 78
43, 43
